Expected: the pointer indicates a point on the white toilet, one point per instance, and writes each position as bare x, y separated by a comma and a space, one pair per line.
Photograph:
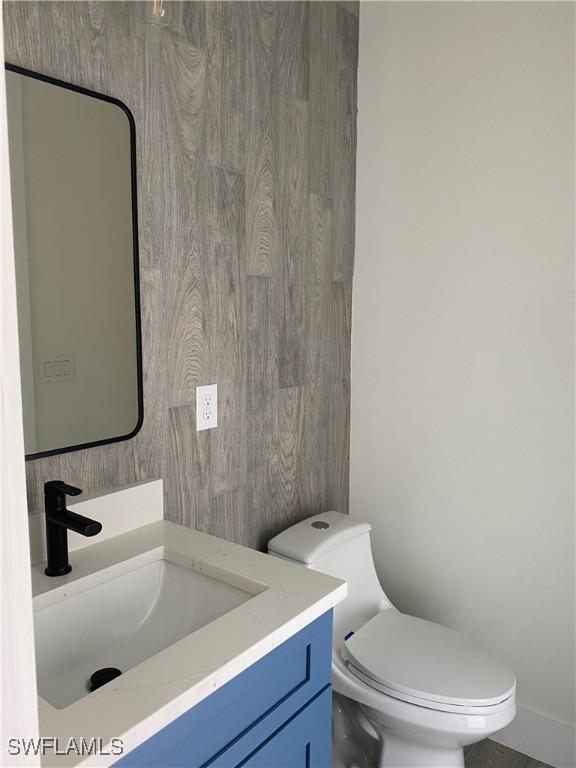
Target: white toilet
408, 693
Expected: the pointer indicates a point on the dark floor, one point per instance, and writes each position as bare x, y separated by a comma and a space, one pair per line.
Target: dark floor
488, 754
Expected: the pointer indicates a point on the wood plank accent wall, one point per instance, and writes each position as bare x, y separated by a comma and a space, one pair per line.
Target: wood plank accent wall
246, 130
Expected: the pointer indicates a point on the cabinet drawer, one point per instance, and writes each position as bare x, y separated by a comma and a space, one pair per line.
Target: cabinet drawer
303, 742
266, 694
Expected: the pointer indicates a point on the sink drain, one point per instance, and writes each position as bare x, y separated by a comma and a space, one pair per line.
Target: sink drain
103, 676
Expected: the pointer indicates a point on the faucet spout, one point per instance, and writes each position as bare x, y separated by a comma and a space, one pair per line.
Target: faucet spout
74, 522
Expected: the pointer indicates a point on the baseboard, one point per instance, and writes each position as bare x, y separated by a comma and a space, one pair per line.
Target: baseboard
540, 737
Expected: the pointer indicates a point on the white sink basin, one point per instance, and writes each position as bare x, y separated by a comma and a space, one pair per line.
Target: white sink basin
121, 618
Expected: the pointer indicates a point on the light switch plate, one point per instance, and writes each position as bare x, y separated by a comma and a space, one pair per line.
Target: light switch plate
206, 407
54, 369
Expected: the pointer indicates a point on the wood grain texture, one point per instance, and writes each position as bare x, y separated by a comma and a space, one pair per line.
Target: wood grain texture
322, 96
261, 408
353, 6
339, 395
344, 147
290, 454
489, 754
262, 236
245, 121
224, 238
226, 48
186, 465
293, 48
319, 372
292, 149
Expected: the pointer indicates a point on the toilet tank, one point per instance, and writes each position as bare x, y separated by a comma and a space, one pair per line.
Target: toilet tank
338, 545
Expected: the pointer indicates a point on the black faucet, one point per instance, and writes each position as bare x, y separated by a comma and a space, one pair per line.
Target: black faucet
58, 521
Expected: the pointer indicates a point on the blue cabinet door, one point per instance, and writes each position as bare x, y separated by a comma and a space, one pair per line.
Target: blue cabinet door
237, 719
303, 742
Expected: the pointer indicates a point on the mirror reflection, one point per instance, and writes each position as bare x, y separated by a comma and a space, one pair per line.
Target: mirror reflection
75, 238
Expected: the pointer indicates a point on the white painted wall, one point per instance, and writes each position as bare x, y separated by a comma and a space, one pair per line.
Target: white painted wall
462, 451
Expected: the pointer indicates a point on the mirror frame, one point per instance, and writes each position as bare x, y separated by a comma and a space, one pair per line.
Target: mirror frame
135, 255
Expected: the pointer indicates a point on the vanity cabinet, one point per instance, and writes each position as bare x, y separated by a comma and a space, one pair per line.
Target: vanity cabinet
275, 714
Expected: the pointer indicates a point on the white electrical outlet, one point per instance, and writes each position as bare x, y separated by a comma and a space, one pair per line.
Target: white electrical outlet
206, 407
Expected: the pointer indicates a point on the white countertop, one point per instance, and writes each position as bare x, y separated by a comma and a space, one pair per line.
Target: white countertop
149, 696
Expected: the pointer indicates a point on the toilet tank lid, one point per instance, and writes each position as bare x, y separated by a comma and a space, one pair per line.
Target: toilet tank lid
311, 539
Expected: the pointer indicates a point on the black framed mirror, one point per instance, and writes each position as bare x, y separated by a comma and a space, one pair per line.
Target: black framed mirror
74, 203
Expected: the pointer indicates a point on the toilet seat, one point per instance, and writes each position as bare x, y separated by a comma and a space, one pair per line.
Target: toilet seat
425, 704
427, 664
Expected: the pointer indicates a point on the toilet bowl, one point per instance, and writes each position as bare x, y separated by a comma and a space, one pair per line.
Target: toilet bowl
408, 693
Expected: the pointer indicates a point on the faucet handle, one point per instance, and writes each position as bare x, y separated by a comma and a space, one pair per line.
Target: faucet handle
59, 488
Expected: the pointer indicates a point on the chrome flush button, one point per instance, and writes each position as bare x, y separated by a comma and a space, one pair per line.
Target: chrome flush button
320, 524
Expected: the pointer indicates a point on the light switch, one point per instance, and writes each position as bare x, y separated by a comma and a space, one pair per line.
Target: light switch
54, 369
